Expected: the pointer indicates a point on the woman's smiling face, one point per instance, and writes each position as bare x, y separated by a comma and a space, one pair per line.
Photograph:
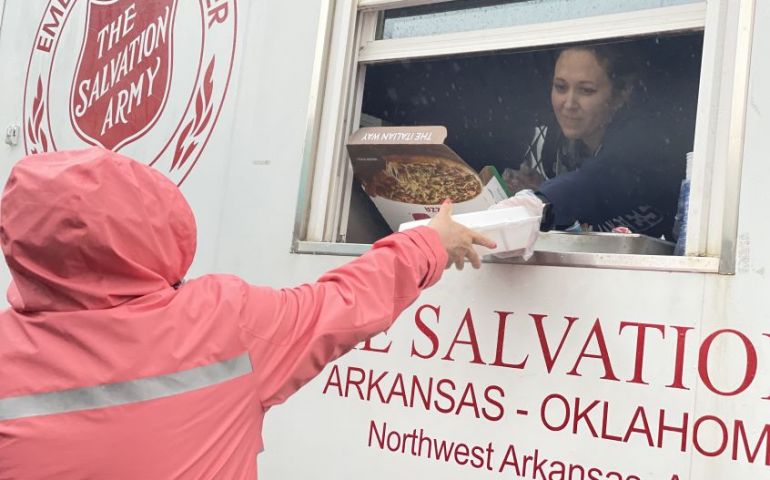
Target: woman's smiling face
582, 97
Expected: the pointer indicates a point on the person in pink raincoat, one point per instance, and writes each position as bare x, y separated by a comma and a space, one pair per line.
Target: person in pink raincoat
113, 368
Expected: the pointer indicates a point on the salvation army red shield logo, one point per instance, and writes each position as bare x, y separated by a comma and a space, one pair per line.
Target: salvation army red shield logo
146, 78
122, 77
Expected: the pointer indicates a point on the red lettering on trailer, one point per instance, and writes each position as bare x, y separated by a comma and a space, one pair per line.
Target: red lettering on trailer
708, 435
639, 415
641, 331
419, 444
583, 416
603, 355
739, 434
350, 380
472, 341
751, 362
425, 329
217, 11
680, 429
548, 357
696, 438
566, 415
544, 468
428, 344
367, 346
443, 395
502, 319
681, 338
51, 25
605, 424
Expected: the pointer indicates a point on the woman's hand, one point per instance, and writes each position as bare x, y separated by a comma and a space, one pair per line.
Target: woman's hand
523, 198
457, 239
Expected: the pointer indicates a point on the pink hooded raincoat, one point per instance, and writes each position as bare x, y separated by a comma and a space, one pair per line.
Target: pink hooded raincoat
110, 369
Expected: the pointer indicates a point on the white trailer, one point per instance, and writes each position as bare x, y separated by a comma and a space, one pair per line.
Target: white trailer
579, 364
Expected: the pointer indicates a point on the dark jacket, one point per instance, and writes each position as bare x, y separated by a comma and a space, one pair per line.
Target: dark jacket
632, 181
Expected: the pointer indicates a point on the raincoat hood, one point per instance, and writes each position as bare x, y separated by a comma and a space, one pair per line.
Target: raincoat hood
91, 229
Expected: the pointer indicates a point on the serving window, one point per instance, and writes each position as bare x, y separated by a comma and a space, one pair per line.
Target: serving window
596, 107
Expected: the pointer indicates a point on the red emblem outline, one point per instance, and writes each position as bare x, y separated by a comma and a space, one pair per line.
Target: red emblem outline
196, 126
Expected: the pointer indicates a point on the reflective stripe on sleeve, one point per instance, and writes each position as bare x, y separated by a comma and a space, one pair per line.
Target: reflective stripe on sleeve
122, 393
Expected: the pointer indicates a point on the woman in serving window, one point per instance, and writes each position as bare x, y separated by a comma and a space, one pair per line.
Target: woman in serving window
608, 164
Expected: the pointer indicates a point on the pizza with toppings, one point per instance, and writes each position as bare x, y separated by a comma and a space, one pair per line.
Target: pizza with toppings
424, 180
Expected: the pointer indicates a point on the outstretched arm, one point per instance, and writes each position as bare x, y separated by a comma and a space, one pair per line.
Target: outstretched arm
293, 333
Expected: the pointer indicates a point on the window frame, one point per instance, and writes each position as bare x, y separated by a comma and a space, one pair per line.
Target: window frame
346, 45
2, 10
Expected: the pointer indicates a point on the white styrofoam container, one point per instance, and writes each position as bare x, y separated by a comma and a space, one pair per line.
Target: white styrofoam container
513, 229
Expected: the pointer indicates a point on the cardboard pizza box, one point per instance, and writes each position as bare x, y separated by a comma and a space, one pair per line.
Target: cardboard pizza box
409, 171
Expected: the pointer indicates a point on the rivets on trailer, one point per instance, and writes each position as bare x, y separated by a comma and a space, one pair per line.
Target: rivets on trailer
12, 135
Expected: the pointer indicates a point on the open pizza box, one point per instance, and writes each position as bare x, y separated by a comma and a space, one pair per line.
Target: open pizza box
409, 171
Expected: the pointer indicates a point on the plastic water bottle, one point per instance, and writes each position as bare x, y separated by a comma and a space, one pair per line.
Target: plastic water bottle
680, 220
